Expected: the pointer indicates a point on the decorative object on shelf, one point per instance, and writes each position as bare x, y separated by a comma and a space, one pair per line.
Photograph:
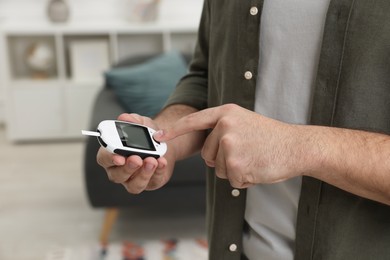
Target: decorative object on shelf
58, 11
40, 60
144, 10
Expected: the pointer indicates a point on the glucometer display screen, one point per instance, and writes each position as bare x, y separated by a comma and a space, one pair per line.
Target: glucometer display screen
134, 136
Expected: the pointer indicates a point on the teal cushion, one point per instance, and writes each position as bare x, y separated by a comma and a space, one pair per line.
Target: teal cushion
145, 87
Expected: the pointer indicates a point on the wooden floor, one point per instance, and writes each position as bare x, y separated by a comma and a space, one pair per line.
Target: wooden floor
43, 205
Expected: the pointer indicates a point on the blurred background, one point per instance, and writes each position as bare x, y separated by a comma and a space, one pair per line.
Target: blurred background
54, 58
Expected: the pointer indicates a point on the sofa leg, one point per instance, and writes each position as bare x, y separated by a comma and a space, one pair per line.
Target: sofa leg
110, 217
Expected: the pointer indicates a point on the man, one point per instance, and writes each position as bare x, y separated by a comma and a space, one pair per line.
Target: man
307, 175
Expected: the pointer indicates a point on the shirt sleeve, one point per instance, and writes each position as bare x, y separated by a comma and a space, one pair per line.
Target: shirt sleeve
192, 89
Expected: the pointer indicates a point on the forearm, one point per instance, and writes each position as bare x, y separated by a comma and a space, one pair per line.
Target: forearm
186, 145
355, 161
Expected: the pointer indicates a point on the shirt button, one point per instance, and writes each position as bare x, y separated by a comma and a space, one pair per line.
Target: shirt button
235, 193
248, 75
233, 248
254, 10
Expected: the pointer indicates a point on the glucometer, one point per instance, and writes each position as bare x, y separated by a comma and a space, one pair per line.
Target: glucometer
128, 139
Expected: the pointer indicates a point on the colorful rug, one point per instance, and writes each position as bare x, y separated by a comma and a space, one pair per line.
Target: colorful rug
183, 249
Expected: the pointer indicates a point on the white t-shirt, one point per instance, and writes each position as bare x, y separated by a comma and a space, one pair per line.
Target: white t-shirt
290, 42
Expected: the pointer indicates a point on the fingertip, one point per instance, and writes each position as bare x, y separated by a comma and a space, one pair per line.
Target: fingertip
123, 116
151, 160
159, 135
210, 163
149, 166
135, 161
118, 160
162, 163
164, 135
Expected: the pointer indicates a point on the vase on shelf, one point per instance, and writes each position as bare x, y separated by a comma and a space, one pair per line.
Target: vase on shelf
58, 11
143, 10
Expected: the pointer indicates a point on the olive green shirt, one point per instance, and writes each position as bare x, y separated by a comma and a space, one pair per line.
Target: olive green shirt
352, 91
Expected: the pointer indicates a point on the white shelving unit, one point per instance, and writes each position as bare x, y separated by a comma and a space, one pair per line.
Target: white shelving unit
57, 106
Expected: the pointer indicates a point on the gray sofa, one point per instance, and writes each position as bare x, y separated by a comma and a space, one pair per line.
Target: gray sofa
186, 186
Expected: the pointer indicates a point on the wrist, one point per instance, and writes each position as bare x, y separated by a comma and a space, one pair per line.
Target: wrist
308, 159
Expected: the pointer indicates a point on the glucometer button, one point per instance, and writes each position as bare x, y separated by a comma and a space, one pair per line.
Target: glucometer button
156, 140
101, 141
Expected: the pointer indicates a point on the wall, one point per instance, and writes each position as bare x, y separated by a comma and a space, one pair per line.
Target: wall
82, 10
25, 11
2, 89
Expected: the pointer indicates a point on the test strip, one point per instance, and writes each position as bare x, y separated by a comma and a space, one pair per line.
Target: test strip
90, 133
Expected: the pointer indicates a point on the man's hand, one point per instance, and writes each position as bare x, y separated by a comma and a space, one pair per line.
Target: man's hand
248, 148
244, 147
134, 173
138, 175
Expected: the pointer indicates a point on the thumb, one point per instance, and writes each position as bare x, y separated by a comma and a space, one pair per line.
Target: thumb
133, 118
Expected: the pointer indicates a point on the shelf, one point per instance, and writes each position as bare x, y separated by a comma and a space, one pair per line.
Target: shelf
37, 83
86, 56
56, 102
139, 44
94, 27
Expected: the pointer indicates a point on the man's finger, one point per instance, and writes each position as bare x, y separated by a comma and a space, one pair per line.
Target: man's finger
210, 148
139, 181
134, 118
107, 159
197, 121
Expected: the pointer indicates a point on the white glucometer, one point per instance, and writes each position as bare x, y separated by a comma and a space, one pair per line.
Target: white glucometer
128, 139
